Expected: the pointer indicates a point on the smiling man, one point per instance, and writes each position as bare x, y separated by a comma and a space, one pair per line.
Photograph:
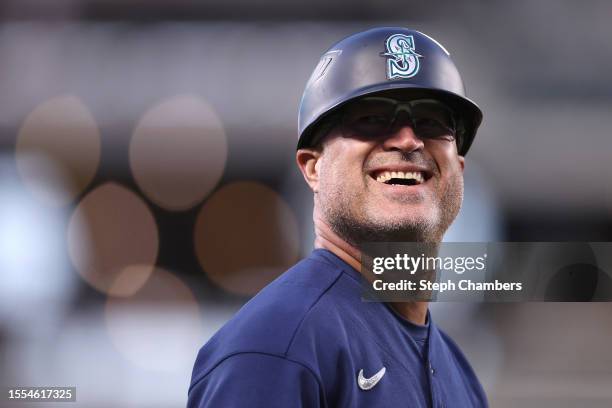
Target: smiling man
384, 127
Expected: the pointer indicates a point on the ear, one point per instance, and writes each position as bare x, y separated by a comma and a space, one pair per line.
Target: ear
308, 162
461, 162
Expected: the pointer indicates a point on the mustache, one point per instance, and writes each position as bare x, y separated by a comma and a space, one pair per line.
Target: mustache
397, 157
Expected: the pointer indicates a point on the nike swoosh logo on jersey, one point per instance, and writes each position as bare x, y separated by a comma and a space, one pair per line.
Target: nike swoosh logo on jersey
369, 383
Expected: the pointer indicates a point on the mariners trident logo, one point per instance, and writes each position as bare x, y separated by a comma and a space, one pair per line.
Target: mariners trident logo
402, 60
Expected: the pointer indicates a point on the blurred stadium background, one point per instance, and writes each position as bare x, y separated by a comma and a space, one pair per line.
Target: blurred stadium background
148, 186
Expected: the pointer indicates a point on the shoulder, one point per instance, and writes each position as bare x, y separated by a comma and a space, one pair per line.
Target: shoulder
268, 323
464, 377
256, 379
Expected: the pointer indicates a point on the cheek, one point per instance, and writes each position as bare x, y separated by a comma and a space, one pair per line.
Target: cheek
442, 150
453, 191
344, 166
454, 168
330, 176
343, 177
451, 176
341, 185
444, 154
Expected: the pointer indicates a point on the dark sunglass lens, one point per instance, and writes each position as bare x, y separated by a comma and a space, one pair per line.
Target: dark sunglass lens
368, 118
433, 119
431, 128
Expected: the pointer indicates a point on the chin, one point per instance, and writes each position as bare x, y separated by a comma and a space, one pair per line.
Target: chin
412, 227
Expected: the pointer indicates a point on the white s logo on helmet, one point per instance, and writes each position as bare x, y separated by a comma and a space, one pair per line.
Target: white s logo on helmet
402, 60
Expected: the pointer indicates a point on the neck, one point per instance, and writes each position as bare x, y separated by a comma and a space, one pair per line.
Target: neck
326, 238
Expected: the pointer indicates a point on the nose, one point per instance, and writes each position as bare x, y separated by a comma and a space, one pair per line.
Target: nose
403, 138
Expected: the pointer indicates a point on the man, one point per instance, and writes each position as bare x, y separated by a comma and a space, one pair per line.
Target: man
384, 126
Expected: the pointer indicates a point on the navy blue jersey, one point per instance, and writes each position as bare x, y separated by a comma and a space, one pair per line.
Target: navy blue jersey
308, 340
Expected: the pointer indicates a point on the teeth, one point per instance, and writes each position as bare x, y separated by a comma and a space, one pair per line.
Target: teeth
388, 175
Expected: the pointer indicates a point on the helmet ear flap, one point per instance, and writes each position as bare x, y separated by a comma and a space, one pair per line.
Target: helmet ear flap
383, 60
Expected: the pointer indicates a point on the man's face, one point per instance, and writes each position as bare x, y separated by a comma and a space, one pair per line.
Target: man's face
360, 202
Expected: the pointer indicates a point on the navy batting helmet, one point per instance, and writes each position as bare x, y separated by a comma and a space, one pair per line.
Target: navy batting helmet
383, 60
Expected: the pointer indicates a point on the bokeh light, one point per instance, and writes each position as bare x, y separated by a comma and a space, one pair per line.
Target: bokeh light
158, 328
34, 270
113, 240
58, 149
178, 152
245, 236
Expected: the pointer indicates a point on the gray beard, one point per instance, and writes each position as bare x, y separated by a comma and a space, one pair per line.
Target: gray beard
334, 205
356, 231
